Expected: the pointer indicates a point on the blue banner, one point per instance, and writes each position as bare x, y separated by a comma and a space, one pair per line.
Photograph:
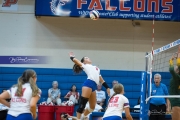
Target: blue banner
23, 60
165, 10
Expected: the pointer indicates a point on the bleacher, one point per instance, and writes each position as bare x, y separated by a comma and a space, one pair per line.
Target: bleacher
66, 78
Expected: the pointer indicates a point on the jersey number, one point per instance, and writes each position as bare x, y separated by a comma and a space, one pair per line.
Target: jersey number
114, 100
22, 92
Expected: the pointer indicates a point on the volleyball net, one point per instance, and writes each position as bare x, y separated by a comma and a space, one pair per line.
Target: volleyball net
158, 61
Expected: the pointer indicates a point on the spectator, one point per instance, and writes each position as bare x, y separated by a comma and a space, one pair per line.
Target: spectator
54, 94
100, 95
158, 106
65, 116
138, 103
73, 95
111, 90
3, 110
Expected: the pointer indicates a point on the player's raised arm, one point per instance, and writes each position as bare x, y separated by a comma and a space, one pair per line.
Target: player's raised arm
171, 60
171, 66
178, 57
75, 60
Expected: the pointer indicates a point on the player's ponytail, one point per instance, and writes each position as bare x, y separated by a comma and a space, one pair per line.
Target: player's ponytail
34, 87
118, 88
76, 68
19, 87
27, 77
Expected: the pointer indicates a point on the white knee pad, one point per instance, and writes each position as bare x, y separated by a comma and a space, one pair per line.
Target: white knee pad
90, 110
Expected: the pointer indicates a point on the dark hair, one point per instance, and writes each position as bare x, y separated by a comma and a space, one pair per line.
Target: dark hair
27, 77
76, 68
64, 115
72, 87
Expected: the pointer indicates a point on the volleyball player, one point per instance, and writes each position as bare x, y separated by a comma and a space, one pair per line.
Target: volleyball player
24, 96
89, 86
117, 103
174, 87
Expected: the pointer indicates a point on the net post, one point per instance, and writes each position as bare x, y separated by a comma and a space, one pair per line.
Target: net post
144, 83
143, 106
146, 62
146, 107
147, 73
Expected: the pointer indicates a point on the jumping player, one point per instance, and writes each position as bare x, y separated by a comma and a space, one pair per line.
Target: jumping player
24, 96
117, 103
174, 87
89, 86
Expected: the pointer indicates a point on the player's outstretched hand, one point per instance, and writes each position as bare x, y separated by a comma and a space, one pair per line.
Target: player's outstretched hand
174, 56
71, 54
35, 116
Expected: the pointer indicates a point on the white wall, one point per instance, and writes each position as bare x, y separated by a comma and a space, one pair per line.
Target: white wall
110, 43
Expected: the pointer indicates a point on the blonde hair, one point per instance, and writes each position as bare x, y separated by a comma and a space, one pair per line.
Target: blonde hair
118, 88
27, 77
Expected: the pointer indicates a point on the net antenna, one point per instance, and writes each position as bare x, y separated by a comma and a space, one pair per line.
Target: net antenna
158, 61
152, 53
149, 62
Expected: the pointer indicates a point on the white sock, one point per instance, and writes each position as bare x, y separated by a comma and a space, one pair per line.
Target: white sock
83, 116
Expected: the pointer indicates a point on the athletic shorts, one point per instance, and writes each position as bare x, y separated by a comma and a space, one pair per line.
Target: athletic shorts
112, 118
91, 84
24, 116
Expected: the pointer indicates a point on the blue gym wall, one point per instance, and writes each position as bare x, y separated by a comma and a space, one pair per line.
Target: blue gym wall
66, 78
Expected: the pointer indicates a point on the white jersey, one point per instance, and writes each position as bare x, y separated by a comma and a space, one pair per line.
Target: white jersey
92, 72
116, 106
20, 105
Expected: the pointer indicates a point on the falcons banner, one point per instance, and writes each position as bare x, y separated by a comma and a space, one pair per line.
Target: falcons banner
9, 5
165, 10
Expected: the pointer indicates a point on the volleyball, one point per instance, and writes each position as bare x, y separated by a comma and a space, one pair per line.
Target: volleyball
94, 14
